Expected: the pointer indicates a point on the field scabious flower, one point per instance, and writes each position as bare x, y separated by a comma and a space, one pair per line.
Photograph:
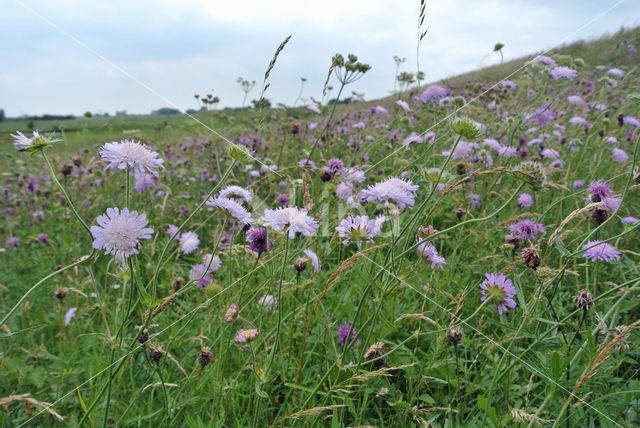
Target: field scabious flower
172, 230
358, 229
619, 155
189, 242
598, 250
394, 189
69, 315
246, 336
430, 254
119, 232
343, 333
563, 72
630, 220
525, 200
499, 290
474, 199
133, 154
13, 242
258, 240
291, 219
231, 208
236, 192
434, 92
267, 303
315, 262
33, 144
526, 229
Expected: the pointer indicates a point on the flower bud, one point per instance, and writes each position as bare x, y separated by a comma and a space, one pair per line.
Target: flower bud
205, 358
156, 352
583, 300
454, 335
239, 153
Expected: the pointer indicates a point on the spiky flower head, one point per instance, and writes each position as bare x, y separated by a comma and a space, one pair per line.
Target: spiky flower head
532, 173
239, 153
499, 290
34, 144
132, 154
119, 232
359, 229
598, 250
291, 219
583, 300
466, 128
454, 335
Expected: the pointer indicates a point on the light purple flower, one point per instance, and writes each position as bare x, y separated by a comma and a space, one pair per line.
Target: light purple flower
172, 230
430, 254
598, 250
69, 315
359, 229
133, 154
245, 336
343, 333
619, 155
403, 105
189, 241
578, 184
499, 290
13, 241
308, 163
394, 189
231, 208
354, 175
474, 199
526, 229
546, 60
563, 72
119, 232
314, 108
267, 303
525, 200
291, 219
630, 220
434, 92
344, 190
315, 262
144, 182
236, 192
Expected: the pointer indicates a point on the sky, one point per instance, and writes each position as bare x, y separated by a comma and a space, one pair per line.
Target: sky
73, 56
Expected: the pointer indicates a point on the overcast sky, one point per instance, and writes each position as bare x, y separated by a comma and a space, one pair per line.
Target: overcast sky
182, 47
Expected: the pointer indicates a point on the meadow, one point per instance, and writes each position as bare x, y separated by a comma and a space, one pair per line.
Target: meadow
459, 254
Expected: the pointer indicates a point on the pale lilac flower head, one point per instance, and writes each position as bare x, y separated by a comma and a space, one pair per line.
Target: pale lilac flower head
577, 120
246, 336
378, 110
172, 230
630, 120
359, 229
563, 72
232, 313
119, 232
13, 242
258, 240
314, 108
499, 290
394, 189
630, 220
462, 150
525, 200
292, 220
344, 190
69, 315
574, 99
598, 250
526, 229
434, 92
610, 140
578, 184
343, 333
334, 166
308, 163
199, 273
35, 143
189, 241
353, 175
231, 208
267, 303
546, 60
315, 262
144, 182
133, 154
474, 199
619, 155
550, 153
616, 72
430, 254
236, 192
403, 105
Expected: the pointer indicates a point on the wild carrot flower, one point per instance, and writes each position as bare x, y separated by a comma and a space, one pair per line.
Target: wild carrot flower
119, 232
189, 241
598, 250
133, 154
231, 208
246, 336
394, 189
358, 229
258, 240
291, 219
499, 290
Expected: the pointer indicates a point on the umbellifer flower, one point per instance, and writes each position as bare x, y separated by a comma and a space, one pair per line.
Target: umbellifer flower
119, 232
499, 290
598, 250
133, 154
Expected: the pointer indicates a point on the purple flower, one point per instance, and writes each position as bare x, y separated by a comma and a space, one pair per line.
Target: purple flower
291, 219
430, 254
462, 150
526, 229
245, 336
474, 199
563, 72
314, 108
133, 154
499, 290
258, 240
578, 184
13, 241
189, 241
546, 60
231, 208
344, 190
283, 200
69, 315
43, 238
315, 262
598, 250
394, 189
358, 229
232, 313
525, 200
619, 155
172, 230
343, 333
434, 92
630, 220
599, 190
308, 163
236, 192
630, 120
334, 166
144, 182
119, 232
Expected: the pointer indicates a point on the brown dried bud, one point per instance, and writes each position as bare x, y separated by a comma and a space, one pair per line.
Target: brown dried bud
300, 264
156, 352
531, 257
459, 213
60, 293
205, 358
454, 335
66, 170
599, 216
295, 128
461, 168
325, 176
512, 240
583, 300
177, 284
374, 352
144, 337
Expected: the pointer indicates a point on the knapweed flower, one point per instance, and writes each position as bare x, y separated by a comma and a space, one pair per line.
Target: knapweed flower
232, 313
343, 333
231, 208
246, 336
119, 232
499, 290
428, 252
33, 144
43, 239
394, 189
236, 192
69, 315
267, 303
132, 154
291, 219
598, 250
258, 240
359, 229
525, 200
189, 242
563, 72
315, 262
526, 229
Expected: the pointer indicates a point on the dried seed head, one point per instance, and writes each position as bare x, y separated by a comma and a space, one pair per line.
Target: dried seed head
300, 264
531, 257
60, 293
177, 284
512, 240
374, 352
599, 216
205, 358
583, 300
461, 168
66, 170
454, 335
144, 337
156, 352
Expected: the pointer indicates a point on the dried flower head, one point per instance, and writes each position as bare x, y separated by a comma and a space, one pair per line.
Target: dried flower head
156, 352
376, 353
205, 358
454, 335
583, 300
